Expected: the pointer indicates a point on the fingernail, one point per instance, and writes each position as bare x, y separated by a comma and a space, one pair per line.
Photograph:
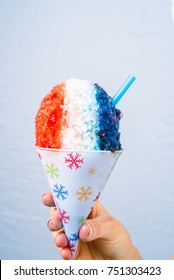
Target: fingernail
89, 228
43, 194
48, 223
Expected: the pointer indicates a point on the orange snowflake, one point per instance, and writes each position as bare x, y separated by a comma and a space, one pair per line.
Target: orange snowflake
84, 193
91, 171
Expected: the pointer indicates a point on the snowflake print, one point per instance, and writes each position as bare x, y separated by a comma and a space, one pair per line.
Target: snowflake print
40, 156
60, 191
84, 193
54, 152
116, 155
91, 171
52, 170
72, 247
63, 215
73, 237
97, 197
74, 160
82, 220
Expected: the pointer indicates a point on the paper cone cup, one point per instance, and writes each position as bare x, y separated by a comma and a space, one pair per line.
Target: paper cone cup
77, 179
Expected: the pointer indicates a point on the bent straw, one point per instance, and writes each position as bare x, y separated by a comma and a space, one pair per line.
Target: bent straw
116, 98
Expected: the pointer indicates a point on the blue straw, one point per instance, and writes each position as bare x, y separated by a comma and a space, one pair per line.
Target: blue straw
116, 98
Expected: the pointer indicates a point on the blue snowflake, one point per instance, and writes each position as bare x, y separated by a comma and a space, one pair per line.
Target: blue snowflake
73, 237
60, 191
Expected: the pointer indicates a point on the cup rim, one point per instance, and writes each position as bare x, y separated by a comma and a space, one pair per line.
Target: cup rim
63, 150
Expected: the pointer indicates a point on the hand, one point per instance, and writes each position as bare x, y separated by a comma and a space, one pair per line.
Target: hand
101, 237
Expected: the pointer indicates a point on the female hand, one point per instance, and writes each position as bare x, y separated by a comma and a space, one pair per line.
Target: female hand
101, 237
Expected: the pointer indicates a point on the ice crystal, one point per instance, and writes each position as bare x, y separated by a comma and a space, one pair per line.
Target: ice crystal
84, 193
72, 247
54, 152
82, 220
116, 155
60, 191
40, 156
97, 197
73, 237
74, 160
91, 171
63, 215
52, 170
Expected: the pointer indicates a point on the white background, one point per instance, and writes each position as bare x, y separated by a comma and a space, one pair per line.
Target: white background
44, 42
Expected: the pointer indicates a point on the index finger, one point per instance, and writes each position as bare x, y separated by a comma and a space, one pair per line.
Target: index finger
47, 199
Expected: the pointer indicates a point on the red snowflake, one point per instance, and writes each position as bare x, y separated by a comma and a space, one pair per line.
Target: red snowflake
72, 247
63, 216
97, 197
74, 160
40, 156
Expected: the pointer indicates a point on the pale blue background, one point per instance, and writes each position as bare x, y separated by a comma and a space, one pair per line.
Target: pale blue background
44, 42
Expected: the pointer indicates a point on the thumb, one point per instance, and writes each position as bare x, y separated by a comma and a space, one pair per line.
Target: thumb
99, 227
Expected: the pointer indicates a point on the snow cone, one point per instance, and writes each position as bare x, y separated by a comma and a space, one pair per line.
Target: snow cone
77, 179
78, 143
